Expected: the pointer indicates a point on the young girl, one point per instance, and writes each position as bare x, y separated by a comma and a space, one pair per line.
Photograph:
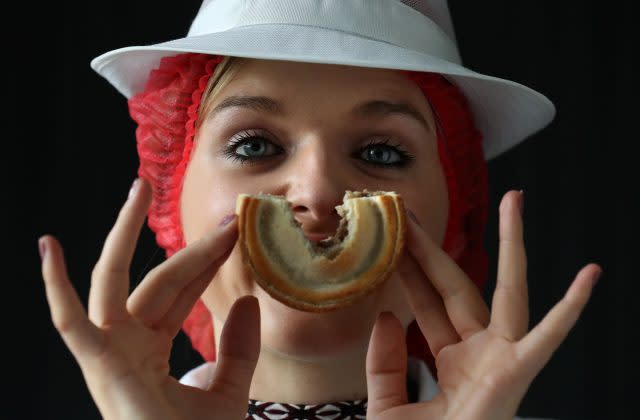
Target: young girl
308, 102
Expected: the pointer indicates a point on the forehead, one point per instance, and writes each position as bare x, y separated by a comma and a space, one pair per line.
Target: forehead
290, 77
318, 92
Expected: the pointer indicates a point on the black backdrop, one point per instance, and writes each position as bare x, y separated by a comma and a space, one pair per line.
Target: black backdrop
71, 158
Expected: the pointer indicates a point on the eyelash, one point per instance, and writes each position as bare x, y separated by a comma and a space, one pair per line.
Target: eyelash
230, 151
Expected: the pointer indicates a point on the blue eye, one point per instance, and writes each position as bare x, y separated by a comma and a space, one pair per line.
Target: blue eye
249, 147
253, 148
380, 153
384, 154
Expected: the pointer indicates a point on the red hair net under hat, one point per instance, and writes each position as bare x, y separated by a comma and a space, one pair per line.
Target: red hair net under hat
166, 113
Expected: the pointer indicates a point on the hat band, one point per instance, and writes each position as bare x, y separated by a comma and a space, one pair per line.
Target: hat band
388, 21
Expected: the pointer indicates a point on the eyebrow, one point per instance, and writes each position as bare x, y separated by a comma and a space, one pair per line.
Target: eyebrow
257, 103
378, 108
371, 108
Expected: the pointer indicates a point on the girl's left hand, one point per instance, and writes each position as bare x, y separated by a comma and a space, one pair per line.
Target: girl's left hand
485, 360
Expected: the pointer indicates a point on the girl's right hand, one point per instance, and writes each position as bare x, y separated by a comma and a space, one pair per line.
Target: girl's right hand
123, 344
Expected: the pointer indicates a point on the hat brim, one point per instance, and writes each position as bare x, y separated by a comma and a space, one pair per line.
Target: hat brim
505, 112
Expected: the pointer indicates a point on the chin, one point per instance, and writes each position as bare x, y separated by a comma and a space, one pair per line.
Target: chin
312, 335
317, 335
307, 335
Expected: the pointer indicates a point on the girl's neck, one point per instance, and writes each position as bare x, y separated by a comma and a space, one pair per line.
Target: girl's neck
285, 380
279, 378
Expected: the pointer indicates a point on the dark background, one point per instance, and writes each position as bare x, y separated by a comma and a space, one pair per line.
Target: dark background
71, 158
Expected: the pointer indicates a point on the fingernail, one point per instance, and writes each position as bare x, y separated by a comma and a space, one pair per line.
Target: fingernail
134, 187
596, 277
227, 219
42, 248
413, 217
521, 202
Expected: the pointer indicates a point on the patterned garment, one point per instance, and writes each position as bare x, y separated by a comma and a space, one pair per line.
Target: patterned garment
345, 410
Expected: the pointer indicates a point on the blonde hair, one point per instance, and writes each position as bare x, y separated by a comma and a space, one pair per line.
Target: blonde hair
222, 75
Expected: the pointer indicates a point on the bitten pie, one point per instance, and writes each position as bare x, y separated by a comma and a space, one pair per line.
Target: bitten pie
333, 272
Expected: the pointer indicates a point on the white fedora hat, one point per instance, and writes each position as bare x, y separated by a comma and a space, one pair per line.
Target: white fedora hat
395, 34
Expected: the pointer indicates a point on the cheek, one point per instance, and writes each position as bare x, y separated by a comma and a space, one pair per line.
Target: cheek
395, 300
429, 201
206, 199
232, 281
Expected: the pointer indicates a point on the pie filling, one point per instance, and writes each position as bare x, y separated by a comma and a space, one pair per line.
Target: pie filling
321, 266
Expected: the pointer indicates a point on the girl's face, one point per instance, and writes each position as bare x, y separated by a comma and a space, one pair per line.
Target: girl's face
309, 132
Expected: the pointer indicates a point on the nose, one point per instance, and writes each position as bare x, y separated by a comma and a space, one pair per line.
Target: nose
316, 185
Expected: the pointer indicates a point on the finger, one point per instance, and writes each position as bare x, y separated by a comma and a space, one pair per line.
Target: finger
465, 307
172, 321
110, 277
239, 350
67, 312
427, 306
510, 307
159, 291
536, 348
386, 366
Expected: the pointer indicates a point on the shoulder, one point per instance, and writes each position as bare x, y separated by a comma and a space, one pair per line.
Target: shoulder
419, 375
200, 376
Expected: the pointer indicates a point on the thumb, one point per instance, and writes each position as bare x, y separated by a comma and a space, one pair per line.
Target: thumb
239, 350
386, 365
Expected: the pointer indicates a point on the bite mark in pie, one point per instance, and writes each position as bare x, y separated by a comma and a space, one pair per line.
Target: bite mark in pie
333, 272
